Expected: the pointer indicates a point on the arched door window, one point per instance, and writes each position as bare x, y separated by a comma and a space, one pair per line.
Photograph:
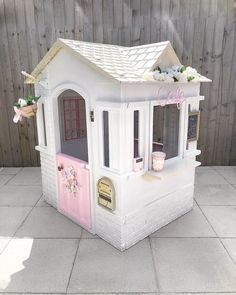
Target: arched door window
73, 127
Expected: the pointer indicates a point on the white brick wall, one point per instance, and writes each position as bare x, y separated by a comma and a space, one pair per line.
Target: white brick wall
142, 223
108, 227
49, 175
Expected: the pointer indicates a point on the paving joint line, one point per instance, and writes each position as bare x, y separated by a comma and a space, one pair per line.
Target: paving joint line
154, 265
73, 263
217, 171
219, 238
23, 221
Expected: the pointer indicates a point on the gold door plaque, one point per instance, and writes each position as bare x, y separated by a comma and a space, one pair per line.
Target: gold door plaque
106, 193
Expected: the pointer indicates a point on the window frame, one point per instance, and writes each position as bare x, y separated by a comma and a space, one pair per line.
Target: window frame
143, 108
182, 122
111, 108
42, 121
63, 111
106, 159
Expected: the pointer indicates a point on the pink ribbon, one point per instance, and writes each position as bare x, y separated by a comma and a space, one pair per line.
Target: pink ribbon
18, 115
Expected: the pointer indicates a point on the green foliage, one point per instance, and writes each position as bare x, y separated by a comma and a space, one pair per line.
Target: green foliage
26, 101
183, 68
190, 78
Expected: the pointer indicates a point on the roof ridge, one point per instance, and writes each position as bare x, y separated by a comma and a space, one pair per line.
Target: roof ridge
146, 45
64, 40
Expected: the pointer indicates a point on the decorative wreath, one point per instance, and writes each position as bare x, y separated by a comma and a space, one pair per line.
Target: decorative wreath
70, 182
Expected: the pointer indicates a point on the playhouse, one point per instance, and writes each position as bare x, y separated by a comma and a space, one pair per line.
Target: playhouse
100, 117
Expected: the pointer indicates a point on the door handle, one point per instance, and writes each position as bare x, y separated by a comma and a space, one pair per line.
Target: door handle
59, 168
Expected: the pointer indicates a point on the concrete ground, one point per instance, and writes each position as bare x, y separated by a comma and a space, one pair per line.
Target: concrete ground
41, 251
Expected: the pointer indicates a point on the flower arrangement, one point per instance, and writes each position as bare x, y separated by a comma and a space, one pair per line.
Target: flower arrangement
26, 101
25, 107
69, 179
173, 74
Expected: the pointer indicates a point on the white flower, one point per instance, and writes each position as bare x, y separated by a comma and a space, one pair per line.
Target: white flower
175, 68
159, 76
191, 71
181, 77
168, 78
170, 72
174, 74
148, 76
22, 102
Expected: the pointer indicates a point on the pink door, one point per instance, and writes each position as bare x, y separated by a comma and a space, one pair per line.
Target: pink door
74, 194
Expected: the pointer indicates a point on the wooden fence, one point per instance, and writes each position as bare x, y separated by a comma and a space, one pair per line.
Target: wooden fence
201, 31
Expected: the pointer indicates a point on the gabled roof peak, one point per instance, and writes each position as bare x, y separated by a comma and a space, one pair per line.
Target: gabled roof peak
118, 62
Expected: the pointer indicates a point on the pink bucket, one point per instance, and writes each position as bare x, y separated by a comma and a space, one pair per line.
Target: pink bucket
158, 160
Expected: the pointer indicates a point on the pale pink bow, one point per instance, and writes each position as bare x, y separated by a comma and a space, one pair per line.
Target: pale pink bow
18, 115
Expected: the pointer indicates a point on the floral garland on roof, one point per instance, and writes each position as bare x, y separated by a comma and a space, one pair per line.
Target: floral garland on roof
173, 74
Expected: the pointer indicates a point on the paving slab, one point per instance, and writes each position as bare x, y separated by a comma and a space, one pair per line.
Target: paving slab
208, 175
230, 245
10, 195
192, 224
10, 170
11, 218
222, 219
42, 203
4, 179
41, 265
193, 265
46, 222
88, 235
228, 172
215, 194
99, 267
27, 176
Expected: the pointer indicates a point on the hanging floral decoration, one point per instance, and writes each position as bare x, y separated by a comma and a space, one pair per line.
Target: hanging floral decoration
173, 74
25, 107
70, 182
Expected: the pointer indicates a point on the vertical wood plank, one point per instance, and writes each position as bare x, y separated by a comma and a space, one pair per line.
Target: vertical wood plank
79, 18
118, 22
127, 23
10, 65
155, 21
145, 33
108, 20
33, 49
88, 20
59, 18
137, 22
97, 20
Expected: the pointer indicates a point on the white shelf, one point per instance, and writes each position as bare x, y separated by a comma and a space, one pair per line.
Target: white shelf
174, 168
192, 153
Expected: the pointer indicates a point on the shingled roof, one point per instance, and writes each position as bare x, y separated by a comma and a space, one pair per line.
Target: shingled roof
119, 62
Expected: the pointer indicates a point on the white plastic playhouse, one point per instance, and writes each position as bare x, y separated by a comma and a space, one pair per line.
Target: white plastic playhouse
105, 111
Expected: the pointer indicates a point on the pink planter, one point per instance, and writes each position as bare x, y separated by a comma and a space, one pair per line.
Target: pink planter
29, 111
158, 160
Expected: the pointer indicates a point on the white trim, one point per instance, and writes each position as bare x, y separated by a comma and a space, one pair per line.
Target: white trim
182, 115
184, 127
53, 98
42, 121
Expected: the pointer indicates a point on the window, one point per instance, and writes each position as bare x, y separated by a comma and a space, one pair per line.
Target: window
73, 125
44, 126
136, 134
74, 118
166, 130
106, 138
